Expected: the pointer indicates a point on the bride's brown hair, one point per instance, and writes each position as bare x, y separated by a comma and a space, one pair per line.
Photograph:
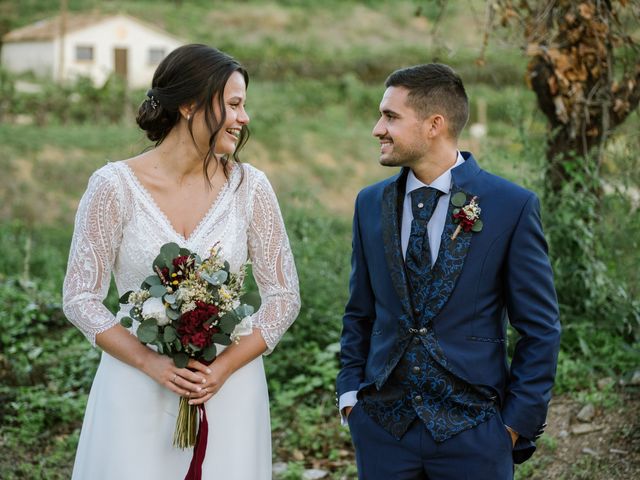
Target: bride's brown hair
192, 74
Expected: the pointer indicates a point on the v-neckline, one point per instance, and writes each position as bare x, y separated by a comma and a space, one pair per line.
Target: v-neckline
152, 202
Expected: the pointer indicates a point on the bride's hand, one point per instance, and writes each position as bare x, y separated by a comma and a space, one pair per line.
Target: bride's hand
182, 381
215, 376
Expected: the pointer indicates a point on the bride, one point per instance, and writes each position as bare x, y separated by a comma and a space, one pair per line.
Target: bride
190, 189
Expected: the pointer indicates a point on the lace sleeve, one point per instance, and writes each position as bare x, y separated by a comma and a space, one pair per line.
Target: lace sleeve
96, 239
273, 266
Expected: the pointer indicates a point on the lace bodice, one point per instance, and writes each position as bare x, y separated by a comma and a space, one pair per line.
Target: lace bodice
120, 229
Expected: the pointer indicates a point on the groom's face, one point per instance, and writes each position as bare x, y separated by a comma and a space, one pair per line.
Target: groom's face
400, 130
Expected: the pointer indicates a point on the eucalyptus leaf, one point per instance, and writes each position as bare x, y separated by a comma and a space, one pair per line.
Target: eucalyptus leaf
170, 250
477, 227
136, 314
177, 345
221, 339
126, 322
459, 199
228, 322
152, 280
172, 314
162, 262
169, 334
181, 359
185, 252
209, 353
170, 298
244, 310
252, 298
217, 278
157, 291
148, 331
125, 297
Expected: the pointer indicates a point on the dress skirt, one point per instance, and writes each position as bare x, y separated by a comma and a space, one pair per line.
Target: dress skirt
129, 422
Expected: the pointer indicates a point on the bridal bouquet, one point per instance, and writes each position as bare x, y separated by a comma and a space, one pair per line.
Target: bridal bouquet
184, 309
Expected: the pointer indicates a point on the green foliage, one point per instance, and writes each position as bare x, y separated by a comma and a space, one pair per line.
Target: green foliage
45, 373
7, 92
77, 102
587, 291
302, 370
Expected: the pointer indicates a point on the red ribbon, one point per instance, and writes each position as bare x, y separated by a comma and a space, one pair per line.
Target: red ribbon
200, 448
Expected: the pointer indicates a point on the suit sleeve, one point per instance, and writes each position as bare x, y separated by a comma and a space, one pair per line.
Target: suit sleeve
533, 311
358, 316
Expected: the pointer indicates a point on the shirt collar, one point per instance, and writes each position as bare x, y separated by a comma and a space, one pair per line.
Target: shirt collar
442, 183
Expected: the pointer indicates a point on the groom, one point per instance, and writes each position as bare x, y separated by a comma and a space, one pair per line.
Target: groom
444, 254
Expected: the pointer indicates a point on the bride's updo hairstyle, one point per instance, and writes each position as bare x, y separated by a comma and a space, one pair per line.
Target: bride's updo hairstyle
192, 74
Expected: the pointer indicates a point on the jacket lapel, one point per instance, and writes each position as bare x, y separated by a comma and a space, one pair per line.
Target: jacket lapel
391, 198
449, 264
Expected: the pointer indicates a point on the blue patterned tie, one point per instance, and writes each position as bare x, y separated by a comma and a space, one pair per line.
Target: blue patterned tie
418, 255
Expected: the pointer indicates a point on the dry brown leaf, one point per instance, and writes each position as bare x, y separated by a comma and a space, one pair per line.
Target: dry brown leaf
553, 85
586, 10
620, 106
615, 87
570, 17
561, 111
533, 49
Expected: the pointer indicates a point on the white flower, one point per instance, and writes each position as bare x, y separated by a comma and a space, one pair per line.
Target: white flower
245, 327
137, 298
154, 308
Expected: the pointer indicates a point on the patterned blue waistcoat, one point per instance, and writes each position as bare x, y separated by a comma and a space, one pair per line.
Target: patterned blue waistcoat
421, 385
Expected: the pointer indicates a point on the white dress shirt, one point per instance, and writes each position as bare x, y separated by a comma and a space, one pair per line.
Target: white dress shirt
434, 229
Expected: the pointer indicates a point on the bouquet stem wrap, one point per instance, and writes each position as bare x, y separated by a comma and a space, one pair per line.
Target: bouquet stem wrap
185, 434
200, 449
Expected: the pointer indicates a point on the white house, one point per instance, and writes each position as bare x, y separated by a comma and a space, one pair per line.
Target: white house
93, 45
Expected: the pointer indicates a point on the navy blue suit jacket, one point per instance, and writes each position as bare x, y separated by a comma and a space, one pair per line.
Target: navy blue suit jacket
504, 275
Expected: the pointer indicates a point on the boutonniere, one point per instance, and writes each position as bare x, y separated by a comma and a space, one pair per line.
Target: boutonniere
466, 216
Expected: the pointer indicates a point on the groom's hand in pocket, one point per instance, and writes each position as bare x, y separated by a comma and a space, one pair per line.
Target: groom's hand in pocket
514, 435
347, 412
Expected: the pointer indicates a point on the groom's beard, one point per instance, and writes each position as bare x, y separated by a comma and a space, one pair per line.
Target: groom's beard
401, 157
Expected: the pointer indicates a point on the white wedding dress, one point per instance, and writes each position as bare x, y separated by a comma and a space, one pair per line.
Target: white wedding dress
128, 426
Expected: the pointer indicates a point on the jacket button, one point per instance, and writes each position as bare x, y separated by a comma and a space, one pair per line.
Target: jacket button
416, 369
417, 399
416, 311
422, 331
416, 340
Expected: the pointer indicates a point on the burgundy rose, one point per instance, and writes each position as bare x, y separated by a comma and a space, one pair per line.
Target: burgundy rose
181, 260
192, 328
465, 221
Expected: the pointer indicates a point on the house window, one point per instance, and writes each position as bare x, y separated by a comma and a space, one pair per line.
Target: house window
156, 55
84, 53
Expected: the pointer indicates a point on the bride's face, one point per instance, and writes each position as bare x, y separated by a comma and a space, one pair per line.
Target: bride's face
235, 94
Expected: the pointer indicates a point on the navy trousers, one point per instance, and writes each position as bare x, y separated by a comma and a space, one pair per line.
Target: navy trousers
480, 453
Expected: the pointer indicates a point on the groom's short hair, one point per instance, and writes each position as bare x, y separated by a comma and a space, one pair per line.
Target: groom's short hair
434, 88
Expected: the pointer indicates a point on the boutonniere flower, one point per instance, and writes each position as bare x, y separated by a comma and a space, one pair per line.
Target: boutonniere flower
466, 216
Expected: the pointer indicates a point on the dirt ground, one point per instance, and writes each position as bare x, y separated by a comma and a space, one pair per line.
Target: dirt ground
605, 448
